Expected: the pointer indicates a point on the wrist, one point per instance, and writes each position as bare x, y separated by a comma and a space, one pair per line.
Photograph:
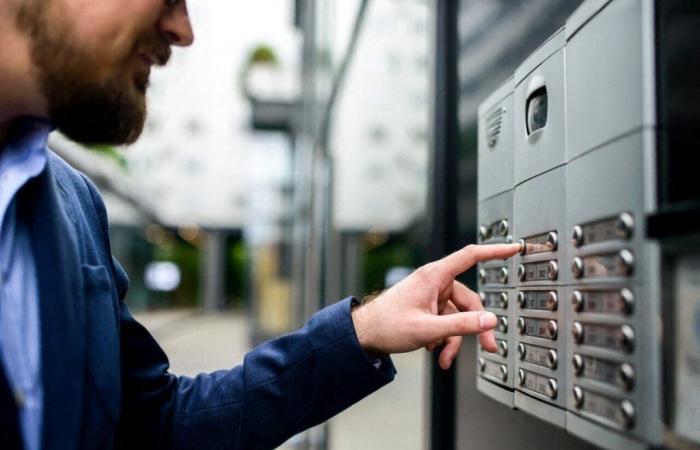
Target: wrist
362, 320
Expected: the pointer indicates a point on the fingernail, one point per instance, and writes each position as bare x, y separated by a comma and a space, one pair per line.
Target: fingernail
487, 320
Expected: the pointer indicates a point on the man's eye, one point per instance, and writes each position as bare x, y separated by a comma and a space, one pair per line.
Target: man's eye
171, 2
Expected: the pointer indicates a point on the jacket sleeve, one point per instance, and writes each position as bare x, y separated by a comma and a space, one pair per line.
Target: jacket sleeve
283, 387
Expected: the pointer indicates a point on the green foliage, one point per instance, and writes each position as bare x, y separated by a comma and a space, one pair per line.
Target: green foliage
262, 53
112, 153
237, 273
377, 262
187, 258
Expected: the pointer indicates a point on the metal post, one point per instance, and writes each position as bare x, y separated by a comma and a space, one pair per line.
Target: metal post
212, 271
443, 204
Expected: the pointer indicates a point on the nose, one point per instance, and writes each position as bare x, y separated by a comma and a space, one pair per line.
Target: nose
175, 25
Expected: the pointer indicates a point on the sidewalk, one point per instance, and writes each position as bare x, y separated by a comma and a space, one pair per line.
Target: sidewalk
392, 418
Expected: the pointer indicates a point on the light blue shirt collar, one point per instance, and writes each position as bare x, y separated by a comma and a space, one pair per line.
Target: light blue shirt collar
23, 157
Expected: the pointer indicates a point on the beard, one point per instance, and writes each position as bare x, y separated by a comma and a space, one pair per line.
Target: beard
87, 109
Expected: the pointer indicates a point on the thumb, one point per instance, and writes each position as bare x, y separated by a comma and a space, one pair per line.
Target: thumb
459, 324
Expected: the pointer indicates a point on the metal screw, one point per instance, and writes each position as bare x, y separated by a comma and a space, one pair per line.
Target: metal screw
577, 332
625, 376
577, 267
578, 397
577, 362
553, 241
503, 348
483, 233
577, 301
552, 301
627, 261
626, 337
552, 270
504, 373
627, 413
503, 227
552, 329
577, 236
503, 275
503, 324
625, 224
627, 300
552, 388
503, 297
552, 359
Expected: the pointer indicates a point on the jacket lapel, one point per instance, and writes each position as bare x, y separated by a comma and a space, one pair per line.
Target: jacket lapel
61, 311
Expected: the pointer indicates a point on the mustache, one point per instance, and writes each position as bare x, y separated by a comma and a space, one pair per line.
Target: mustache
157, 47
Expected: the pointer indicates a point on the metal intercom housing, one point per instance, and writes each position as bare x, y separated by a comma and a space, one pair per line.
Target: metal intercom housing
568, 166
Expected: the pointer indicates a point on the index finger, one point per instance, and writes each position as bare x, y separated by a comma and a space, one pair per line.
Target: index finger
463, 259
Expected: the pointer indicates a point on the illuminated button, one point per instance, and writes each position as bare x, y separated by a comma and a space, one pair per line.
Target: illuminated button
521, 325
483, 233
577, 267
503, 300
627, 413
553, 240
504, 373
521, 299
552, 301
552, 270
482, 276
578, 397
482, 365
482, 296
503, 324
503, 348
503, 227
521, 377
521, 350
627, 300
552, 359
521, 272
552, 329
521, 243
577, 301
577, 362
626, 337
627, 261
577, 332
577, 236
625, 225
625, 376
552, 388
503, 275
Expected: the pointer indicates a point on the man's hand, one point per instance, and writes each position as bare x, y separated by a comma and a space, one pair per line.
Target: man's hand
429, 308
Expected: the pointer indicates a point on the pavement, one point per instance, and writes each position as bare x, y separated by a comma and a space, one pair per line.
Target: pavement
392, 418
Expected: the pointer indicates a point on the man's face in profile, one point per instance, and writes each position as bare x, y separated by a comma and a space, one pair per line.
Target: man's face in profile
93, 60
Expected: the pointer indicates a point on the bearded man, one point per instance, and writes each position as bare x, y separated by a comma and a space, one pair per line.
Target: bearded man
77, 371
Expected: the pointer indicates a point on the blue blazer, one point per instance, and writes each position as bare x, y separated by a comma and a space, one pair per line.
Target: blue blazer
106, 380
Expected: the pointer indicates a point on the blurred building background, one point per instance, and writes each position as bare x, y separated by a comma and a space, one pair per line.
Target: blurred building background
302, 151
